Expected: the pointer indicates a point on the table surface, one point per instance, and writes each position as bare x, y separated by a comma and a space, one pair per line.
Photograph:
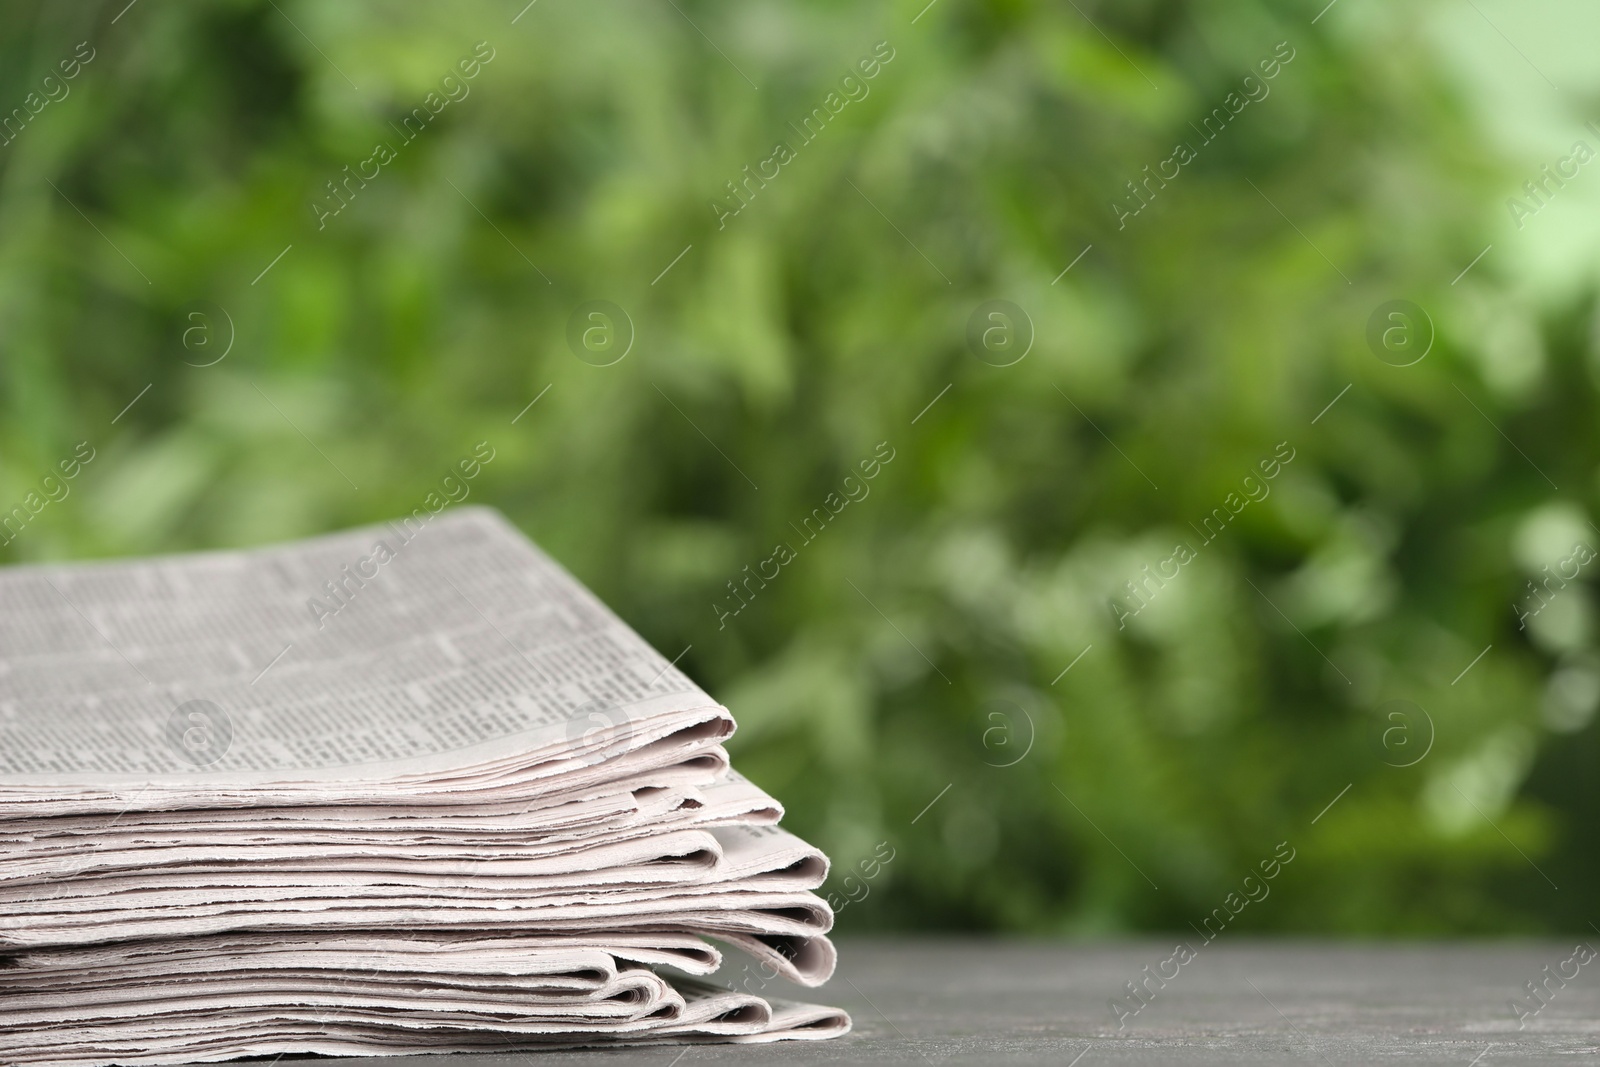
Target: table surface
947, 1002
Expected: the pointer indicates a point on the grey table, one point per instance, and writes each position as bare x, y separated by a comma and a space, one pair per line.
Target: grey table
948, 1002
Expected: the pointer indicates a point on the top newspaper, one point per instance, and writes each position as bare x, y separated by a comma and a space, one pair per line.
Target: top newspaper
360, 666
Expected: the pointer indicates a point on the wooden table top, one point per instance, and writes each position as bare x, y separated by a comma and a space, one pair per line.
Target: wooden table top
943, 1002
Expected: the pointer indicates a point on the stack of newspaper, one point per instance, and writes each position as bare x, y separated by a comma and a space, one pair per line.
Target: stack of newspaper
405, 789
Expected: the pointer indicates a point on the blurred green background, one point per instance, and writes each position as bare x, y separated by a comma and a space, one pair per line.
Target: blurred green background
901, 680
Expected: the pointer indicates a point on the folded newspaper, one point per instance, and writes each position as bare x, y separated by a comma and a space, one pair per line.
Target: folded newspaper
405, 789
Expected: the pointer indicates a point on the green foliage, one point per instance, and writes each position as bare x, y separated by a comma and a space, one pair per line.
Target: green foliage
920, 638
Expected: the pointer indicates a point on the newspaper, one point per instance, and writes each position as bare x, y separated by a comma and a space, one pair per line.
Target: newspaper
404, 789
